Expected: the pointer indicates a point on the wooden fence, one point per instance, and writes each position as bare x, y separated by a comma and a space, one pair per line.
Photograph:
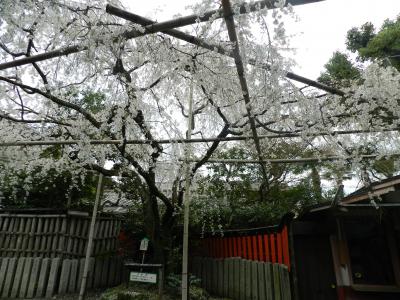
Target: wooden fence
55, 235
36, 277
242, 279
270, 246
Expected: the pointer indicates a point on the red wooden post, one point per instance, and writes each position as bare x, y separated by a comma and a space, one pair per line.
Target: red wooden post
272, 245
285, 246
244, 248
249, 248
234, 245
226, 247
279, 246
260, 248
266, 248
213, 247
230, 247
255, 248
239, 246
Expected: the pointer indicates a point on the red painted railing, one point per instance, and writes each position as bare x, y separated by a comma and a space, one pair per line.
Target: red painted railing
272, 247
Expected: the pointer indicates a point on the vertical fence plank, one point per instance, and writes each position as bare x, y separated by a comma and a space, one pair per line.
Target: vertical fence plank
18, 277
220, 264
31, 238
64, 277
254, 281
25, 239
261, 281
73, 275
8, 234
214, 281
104, 271
61, 241
112, 272
8, 283
242, 282
231, 282
84, 235
20, 236
277, 282
37, 237
285, 283
25, 277
3, 229
33, 278
53, 275
225, 278
269, 287
3, 272
248, 279
236, 277
45, 234
70, 238
97, 272
13, 237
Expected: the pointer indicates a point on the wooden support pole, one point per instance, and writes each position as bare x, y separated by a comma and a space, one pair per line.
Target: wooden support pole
90, 239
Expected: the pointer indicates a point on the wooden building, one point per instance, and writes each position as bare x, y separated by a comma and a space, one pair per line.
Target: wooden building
350, 249
344, 250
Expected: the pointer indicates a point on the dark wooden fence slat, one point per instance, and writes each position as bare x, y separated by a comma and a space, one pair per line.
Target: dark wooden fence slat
64, 277
52, 282
33, 277
73, 276
12, 264
261, 281
231, 282
25, 277
277, 282
226, 278
43, 277
242, 281
3, 272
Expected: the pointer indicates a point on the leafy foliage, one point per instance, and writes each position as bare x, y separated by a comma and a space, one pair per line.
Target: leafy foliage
340, 71
383, 45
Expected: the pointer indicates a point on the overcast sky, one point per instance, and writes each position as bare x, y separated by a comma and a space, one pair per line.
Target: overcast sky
321, 28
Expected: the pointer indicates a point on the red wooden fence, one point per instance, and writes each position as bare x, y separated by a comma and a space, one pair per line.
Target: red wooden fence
271, 247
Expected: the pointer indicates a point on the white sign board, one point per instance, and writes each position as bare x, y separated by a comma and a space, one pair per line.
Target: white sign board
144, 244
143, 277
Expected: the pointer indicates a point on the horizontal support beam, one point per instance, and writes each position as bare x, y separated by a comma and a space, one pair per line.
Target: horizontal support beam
185, 141
293, 160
